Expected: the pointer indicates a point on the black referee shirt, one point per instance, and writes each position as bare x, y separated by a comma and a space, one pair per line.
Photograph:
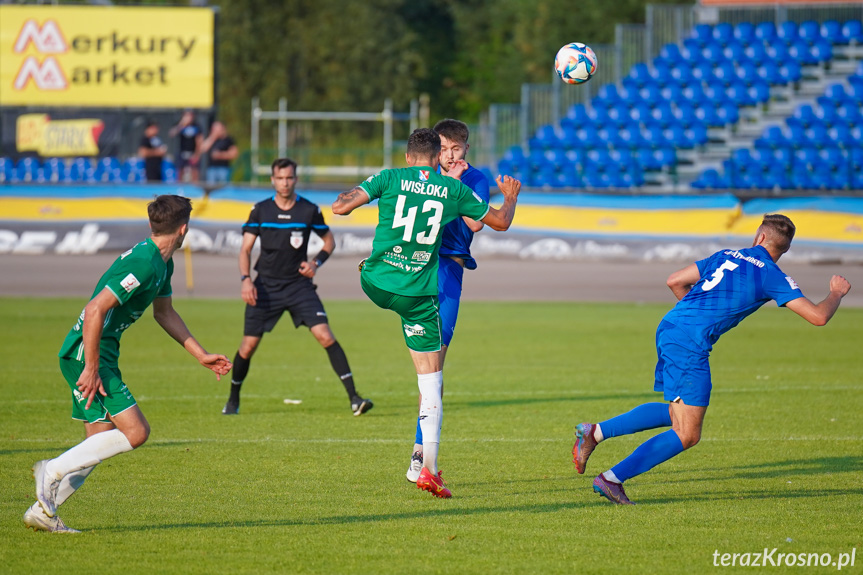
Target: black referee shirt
284, 236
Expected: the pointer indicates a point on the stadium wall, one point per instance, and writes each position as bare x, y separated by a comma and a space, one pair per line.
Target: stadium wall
37, 219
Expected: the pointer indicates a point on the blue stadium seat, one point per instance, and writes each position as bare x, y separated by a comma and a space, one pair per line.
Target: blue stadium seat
710, 179
852, 31
651, 94
702, 33
646, 159
766, 32
712, 52
769, 72
7, 167
727, 114
809, 32
803, 115
772, 137
54, 170
26, 170
831, 30
849, 113
652, 136
835, 94
669, 55
790, 72
735, 53
723, 33
756, 53
744, 33
777, 51
725, 72
787, 32
629, 136
575, 158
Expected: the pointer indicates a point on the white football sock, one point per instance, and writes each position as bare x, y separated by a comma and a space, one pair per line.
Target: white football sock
92, 451
597, 433
610, 476
70, 484
431, 413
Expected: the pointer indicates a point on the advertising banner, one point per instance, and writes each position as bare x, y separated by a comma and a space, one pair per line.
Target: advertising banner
106, 56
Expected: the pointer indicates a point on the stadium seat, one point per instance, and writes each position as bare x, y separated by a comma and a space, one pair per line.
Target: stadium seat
809, 31
757, 54
790, 72
27, 170
744, 33
765, 32
787, 32
710, 179
831, 30
702, 34
7, 167
723, 34
852, 32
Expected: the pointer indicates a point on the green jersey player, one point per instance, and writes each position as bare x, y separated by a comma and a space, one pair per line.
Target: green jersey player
401, 274
113, 422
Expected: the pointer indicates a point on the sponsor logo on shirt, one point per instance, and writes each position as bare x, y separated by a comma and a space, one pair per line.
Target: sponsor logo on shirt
129, 283
476, 195
284, 216
422, 256
791, 282
416, 329
424, 175
321, 314
397, 249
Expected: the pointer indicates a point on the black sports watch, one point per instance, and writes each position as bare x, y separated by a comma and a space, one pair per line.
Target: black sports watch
243, 278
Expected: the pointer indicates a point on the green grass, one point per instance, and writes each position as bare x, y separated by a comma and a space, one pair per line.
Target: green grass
311, 489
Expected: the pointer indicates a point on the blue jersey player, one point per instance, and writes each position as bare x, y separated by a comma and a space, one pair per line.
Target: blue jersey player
454, 251
715, 295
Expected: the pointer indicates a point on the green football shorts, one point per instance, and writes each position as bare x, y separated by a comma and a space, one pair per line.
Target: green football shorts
118, 398
420, 315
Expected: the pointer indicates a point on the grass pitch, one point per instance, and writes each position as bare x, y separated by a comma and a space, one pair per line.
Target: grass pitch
311, 489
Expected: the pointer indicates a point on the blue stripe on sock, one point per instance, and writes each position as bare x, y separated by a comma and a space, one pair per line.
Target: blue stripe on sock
419, 437
648, 455
645, 416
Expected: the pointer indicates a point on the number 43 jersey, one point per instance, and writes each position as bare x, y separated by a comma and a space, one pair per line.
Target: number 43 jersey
733, 284
414, 205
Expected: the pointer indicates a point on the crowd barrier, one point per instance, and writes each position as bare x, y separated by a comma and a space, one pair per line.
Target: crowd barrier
37, 219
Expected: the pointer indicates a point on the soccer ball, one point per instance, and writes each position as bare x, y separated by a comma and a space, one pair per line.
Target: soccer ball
575, 63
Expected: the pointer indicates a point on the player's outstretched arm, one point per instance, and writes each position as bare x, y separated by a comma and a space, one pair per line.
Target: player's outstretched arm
248, 291
501, 219
681, 281
349, 201
173, 324
819, 314
90, 383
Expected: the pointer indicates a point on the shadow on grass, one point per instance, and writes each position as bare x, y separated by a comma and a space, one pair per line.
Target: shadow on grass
772, 493
533, 400
787, 468
353, 519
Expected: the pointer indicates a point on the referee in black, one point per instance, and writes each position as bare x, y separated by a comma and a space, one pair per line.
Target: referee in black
284, 224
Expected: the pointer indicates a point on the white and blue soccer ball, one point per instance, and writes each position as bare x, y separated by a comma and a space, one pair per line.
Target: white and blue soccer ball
575, 63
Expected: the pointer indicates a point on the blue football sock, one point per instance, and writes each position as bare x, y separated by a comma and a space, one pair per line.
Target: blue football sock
648, 455
419, 438
645, 416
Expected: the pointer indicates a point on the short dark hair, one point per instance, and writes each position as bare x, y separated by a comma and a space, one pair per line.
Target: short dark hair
167, 213
780, 231
454, 130
424, 143
152, 122
282, 163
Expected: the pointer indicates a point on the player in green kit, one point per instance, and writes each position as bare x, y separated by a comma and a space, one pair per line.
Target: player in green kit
113, 422
401, 274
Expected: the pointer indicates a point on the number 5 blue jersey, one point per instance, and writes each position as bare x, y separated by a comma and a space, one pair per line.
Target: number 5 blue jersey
733, 284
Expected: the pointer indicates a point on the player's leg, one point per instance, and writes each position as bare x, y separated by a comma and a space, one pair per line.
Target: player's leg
339, 363
685, 382
242, 361
117, 409
259, 319
450, 276
646, 416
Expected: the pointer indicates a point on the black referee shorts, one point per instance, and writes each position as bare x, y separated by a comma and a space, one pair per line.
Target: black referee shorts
300, 298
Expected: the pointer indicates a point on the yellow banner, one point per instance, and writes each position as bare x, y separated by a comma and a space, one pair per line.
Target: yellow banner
106, 56
49, 138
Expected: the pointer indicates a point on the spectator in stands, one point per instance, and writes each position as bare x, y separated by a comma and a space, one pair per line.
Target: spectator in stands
191, 138
152, 150
221, 150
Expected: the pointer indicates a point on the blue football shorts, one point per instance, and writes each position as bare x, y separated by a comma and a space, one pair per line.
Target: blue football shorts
681, 372
449, 282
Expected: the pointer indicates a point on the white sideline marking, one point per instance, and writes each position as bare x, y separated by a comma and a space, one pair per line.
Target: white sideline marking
447, 440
